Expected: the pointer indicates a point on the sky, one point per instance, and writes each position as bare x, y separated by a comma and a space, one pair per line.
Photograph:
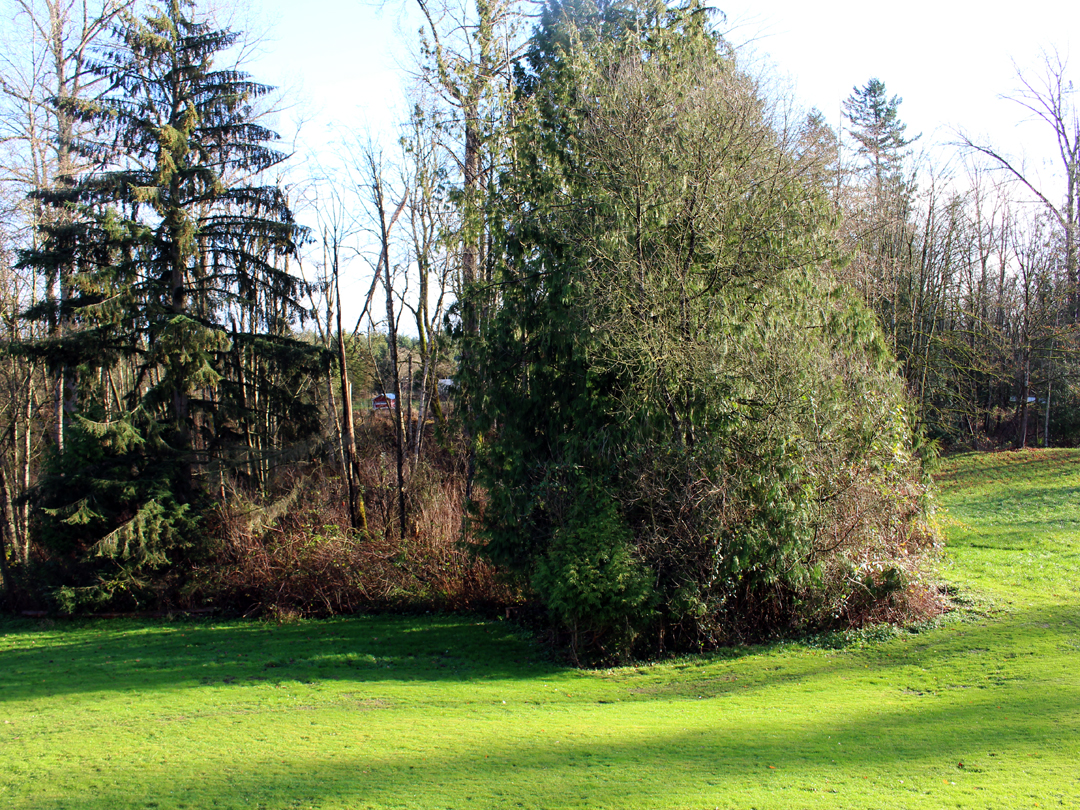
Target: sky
346, 62
951, 62
345, 66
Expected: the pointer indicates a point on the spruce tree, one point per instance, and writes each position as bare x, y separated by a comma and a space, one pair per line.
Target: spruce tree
178, 281
881, 225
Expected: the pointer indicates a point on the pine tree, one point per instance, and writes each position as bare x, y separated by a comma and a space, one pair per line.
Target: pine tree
181, 300
882, 224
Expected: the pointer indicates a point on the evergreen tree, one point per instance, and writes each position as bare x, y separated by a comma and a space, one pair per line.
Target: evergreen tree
876, 126
897, 267
686, 424
179, 297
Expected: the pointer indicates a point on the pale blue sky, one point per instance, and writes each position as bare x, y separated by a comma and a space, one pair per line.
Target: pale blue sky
948, 60
346, 65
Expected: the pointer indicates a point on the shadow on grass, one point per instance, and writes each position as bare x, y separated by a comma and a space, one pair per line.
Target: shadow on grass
94, 656
133, 656
716, 756
1029, 514
1029, 469
972, 656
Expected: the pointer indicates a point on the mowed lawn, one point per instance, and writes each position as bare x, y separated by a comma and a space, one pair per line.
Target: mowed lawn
981, 710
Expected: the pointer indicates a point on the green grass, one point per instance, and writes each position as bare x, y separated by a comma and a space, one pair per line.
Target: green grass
1013, 524
981, 710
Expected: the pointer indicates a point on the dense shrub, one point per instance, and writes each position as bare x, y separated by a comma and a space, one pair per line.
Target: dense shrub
294, 553
114, 522
674, 392
591, 580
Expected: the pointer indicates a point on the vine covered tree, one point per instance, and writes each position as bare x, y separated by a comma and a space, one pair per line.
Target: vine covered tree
180, 299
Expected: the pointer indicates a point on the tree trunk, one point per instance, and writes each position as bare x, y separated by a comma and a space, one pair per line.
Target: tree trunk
8, 537
357, 511
391, 336
1021, 439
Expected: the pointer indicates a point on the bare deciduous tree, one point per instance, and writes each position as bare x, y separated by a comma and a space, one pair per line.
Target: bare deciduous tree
1048, 96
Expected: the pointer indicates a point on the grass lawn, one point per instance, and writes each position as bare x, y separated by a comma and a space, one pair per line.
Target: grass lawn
979, 711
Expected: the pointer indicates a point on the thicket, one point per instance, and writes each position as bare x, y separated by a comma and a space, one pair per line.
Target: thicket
666, 359
693, 434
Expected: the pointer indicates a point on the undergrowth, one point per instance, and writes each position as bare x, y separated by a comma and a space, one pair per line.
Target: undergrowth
974, 709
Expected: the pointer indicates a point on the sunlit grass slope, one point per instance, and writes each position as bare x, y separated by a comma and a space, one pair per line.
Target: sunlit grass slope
981, 711
1013, 524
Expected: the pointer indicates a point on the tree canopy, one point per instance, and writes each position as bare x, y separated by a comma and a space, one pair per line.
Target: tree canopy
681, 410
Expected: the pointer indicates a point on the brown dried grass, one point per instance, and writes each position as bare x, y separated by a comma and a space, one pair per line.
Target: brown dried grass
293, 552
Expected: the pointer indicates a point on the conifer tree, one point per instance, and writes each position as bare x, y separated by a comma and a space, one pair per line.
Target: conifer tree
876, 126
882, 227
181, 299
690, 433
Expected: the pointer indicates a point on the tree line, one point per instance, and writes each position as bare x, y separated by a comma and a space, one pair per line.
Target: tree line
973, 272
667, 356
